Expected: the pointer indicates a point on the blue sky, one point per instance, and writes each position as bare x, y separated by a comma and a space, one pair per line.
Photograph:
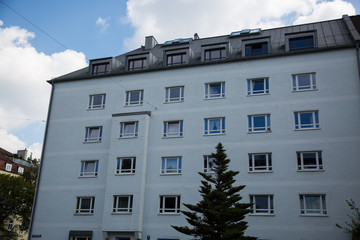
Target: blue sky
88, 29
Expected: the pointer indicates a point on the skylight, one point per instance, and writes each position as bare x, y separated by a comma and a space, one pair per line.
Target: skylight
178, 41
245, 32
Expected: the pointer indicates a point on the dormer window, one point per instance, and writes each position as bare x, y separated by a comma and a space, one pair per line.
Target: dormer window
137, 64
256, 49
100, 68
176, 59
215, 54
300, 41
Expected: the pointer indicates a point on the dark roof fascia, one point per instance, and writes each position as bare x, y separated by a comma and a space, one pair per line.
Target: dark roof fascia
239, 59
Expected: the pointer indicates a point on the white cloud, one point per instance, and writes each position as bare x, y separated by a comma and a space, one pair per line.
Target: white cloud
166, 20
10, 142
23, 73
102, 23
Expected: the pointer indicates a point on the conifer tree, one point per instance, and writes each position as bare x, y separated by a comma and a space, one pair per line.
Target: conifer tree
219, 215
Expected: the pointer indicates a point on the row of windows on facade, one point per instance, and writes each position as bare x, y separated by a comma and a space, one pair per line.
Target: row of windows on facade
259, 123
258, 86
262, 204
257, 162
8, 167
216, 53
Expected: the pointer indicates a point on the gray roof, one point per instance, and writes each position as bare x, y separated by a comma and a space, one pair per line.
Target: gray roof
332, 34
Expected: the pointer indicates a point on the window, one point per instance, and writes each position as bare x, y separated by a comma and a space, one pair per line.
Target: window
173, 129
313, 204
89, 168
259, 123
137, 64
134, 97
215, 54
97, 101
209, 164
80, 238
309, 161
176, 59
260, 162
85, 205
93, 134
126, 165
258, 86
169, 204
256, 49
123, 204
171, 165
174, 94
214, 126
20, 170
101, 68
307, 120
10, 224
262, 204
301, 43
303, 82
80, 235
8, 167
214, 90
128, 129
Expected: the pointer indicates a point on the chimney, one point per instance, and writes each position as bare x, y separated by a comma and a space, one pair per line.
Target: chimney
150, 42
22, 154
196, 36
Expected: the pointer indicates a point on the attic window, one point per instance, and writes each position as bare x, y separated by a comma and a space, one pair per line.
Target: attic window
101, 68
301, 43
245, 32
137, 64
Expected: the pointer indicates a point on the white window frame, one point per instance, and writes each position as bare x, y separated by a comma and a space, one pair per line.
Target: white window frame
307, 167
169, 171
208, 161
178, 133
265, 168
138, 102
20, 170
266, 211
88, 131
84, 173
297, 88
8, 167
92, 106
164, 210
307, 211
208, 131
120, 170
169, 99
209, 86
81, 238
315, 120
251, 90
124, 210
79, 210
124, 134
265, 128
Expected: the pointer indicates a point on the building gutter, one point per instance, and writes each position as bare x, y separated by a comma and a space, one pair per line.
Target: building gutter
41, 163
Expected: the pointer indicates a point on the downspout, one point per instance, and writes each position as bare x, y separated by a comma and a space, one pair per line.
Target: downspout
41, 161
358, 57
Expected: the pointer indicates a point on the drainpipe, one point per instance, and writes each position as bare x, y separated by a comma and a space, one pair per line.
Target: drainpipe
41, 162
358, 57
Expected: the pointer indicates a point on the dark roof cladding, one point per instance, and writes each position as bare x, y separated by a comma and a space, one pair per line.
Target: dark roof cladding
330, 34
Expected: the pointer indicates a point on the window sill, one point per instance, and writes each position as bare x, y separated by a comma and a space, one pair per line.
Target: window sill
124, 174
306, 129
169, 214
83, 214
93, 176
170, 174
313, 215
264, 171
305, 90
257, 94
92, 142
92, 109
127, 137
214, 134
121, 213
174, 102
133, 105
269, 131
172, 137
315, 170
214, 98
262, 214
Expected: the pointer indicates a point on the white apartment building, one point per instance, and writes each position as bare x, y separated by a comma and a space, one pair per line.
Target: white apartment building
126, 136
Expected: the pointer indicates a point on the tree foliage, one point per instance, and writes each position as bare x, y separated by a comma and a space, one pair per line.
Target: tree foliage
219, 215
16, 199
354, 225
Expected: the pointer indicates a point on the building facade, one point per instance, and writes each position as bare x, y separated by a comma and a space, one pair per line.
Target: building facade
126, 136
